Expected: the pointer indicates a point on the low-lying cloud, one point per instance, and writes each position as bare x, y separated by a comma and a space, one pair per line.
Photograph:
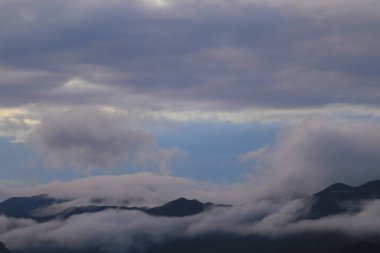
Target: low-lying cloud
129, 231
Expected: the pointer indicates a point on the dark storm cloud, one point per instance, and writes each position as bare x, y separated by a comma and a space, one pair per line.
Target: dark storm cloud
221, 54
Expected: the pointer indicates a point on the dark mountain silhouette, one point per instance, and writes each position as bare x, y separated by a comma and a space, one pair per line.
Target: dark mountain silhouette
362, 247
179, 208
328, 242
91, 209
3, 248
76, 210
25, 207
22, 207
340, 198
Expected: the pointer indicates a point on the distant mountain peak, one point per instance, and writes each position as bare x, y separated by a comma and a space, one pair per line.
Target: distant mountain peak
40, 196
340, 198
184, 201
339, 186
22, 207
375, 184
179, 208
335, 188
29, 207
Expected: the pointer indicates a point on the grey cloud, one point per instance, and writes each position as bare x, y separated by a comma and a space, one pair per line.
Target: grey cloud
219, 54
89, 138
115, 232
7, 224
282, 222
318, 153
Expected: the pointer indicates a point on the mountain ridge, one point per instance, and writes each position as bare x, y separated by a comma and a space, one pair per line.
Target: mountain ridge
24, 207
340, 198
323, 203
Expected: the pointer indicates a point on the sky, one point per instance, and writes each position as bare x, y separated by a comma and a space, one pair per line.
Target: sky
253, 103
277, 96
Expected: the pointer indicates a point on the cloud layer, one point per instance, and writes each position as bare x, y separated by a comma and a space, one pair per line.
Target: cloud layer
204, 54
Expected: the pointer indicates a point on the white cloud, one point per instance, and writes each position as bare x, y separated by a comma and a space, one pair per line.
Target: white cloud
273, 116
253, 155
16, 123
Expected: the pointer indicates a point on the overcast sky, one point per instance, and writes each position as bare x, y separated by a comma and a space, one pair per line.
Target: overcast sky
222, 91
